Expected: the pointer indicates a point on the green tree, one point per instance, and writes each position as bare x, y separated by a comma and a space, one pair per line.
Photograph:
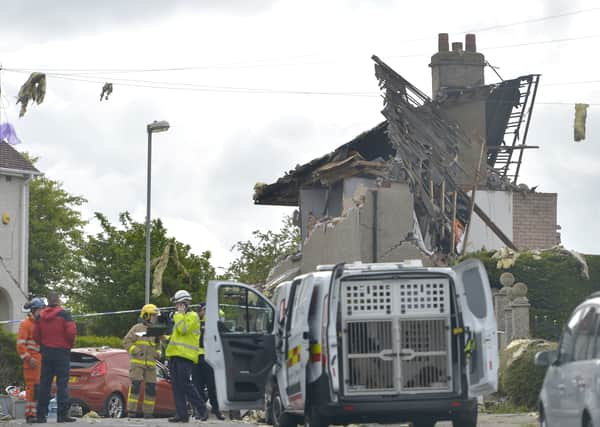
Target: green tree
259, 255
113, 270
55, 236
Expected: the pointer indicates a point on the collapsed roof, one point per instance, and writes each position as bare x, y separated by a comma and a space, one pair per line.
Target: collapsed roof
508, 108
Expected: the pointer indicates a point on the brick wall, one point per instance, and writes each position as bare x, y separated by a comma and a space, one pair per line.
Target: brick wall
534, 220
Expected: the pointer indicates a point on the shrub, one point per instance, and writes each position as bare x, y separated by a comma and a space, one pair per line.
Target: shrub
520, 379
11, 366
94, 341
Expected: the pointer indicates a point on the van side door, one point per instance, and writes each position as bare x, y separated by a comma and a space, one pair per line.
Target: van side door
239, 342
474, 297
297, 346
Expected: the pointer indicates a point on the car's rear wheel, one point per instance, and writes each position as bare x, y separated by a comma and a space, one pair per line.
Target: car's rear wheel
114, 407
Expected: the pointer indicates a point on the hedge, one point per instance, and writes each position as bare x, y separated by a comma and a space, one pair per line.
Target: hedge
520, 379
555, 282
11, 366
94, 341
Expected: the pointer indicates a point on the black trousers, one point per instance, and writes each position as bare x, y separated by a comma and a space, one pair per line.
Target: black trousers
204, 377
183, 389
54, 364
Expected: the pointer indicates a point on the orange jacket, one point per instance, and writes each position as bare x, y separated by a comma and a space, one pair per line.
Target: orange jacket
26, 346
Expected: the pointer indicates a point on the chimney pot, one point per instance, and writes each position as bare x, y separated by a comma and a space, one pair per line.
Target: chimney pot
470, 44
457, 47
443, 42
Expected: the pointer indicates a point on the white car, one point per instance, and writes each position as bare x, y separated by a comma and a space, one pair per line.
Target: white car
570, 395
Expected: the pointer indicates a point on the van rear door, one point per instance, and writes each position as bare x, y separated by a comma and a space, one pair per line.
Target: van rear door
239, 342
481, 343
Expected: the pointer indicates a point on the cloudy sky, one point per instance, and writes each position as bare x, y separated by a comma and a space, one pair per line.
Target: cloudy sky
224, 137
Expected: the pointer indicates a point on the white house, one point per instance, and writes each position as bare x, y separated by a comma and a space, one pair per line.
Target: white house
15, 173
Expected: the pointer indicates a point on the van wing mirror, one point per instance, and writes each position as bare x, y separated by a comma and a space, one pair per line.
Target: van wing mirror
546, 358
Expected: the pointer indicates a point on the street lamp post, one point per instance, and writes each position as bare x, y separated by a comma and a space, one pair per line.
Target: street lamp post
154, 127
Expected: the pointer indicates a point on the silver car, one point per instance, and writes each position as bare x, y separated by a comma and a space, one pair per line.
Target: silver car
570, 395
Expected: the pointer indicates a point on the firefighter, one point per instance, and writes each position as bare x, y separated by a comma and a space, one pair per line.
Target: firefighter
203, 374
143, 354
29, 352
182, 352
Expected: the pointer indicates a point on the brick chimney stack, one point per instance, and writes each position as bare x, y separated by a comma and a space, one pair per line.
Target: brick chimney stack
456, 68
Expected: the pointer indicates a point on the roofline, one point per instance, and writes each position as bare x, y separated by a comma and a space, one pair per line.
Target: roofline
19, 172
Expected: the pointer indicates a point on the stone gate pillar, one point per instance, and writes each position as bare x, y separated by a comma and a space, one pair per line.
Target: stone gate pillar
520, 311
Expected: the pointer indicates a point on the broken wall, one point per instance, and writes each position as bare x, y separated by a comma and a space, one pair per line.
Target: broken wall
332, 242
375, 231
535, 220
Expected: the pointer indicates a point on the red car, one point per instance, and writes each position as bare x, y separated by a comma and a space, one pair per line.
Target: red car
99, 381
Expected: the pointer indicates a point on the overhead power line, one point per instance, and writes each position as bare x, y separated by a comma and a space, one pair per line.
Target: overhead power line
279, 62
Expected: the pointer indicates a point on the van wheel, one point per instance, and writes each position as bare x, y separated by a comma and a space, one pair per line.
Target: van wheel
313, 419
276, 412
466, 419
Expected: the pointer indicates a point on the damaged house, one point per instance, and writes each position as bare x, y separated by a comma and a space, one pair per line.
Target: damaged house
437, 178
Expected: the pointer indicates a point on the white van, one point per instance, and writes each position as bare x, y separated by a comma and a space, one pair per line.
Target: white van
357, 343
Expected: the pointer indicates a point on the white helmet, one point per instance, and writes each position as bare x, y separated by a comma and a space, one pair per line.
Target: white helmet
181, 296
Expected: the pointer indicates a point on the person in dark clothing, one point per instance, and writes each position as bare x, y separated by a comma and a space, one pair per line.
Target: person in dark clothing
203, 374
55, 332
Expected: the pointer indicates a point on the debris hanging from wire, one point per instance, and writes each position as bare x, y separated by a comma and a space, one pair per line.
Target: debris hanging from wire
106, 90
34, 90
580, 118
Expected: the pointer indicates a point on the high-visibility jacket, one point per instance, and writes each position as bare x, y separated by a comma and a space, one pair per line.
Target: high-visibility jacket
185, 338
26, 345
143, 351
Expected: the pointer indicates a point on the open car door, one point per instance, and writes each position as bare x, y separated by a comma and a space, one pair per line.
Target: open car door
481, 342
239, 343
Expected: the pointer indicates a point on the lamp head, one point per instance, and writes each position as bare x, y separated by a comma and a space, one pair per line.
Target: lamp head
158, 126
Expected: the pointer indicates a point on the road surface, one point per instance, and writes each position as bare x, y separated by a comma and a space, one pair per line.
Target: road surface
485, 420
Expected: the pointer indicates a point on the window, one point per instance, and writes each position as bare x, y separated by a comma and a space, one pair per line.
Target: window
244, 311
475, 292
584, 333
567, 342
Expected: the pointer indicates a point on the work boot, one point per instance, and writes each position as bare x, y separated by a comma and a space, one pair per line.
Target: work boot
177, 419
65, 419
38, 420
202, 416
30, 419
218, 414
